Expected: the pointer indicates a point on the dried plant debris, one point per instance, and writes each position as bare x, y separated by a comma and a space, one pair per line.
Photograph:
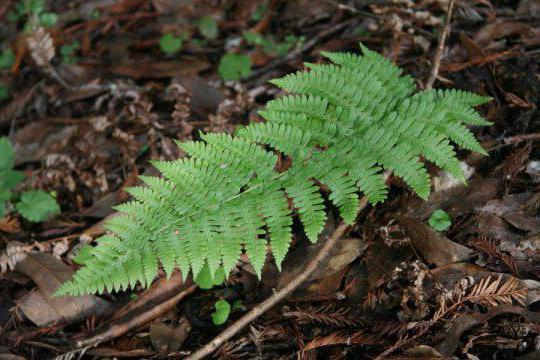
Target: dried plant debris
90, 101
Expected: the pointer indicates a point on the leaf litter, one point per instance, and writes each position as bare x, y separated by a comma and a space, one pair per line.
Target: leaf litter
84, 128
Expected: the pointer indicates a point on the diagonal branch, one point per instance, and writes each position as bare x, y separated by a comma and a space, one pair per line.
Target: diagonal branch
440, 47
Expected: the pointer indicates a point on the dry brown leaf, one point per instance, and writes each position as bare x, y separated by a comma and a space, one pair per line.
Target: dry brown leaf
40, 307
169, 337
434, 247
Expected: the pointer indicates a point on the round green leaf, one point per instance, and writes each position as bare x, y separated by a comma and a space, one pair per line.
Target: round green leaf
221, 315
7, 154
10, 178
37, 205
439, 220
48, 19
4, 92
7, 58
208, 27
170, 44
234, 66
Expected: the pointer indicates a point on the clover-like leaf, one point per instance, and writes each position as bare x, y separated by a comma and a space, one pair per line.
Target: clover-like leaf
37, 205
221, 315
439, 220
7, 154
48, 19
10, 178
234, 66
170, 44
7, 57
208, 27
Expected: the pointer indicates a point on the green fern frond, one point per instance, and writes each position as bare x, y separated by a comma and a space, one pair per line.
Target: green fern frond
342, 125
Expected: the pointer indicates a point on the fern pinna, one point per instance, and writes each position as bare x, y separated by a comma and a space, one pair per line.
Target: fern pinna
344, 124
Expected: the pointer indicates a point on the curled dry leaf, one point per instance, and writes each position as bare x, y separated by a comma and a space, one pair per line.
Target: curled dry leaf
434, 247
40, 307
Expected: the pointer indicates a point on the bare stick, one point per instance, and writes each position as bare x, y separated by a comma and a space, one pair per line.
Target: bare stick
272, 300
120, 329
440, 47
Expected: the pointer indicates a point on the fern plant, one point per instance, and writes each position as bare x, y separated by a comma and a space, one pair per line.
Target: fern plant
342, 125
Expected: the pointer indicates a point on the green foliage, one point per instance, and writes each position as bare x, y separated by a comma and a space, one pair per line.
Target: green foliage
222, 312
271, 47
7, 57
440, 220
259, 11
342, 125
48, 19
37, 205
206, 280
33, 8
7, 154
34, 205
84, 254
170, 44
208, 27
4, 92
8, 177
68, 51
234, 66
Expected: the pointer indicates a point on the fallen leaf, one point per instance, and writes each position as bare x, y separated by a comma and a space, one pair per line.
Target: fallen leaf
40, 307
6, 355
434, 247
499, 29
510, 208
346, 250
169, 337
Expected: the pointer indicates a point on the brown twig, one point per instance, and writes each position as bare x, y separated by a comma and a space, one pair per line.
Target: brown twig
440, 47
133, 322
272, 300
519, 138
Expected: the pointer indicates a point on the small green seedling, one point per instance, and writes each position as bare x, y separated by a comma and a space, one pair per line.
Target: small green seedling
234, 66
208, 27
170, 44
34, 205
221, 315
259, 11
68, 51
37, 205
34, 9
271, 47
439, 220
4, 92
7, 57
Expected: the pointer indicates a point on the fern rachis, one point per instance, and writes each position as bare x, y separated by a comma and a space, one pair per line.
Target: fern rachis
342, 125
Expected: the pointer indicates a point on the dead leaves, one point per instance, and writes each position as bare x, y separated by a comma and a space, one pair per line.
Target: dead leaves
434, 247
492, 292
41, 307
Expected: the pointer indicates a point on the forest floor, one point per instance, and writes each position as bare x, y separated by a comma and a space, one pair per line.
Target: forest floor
122, 79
